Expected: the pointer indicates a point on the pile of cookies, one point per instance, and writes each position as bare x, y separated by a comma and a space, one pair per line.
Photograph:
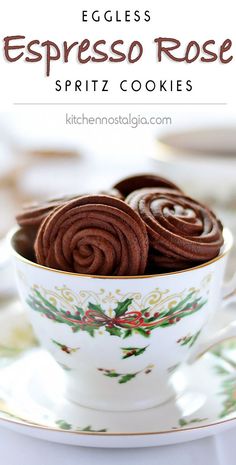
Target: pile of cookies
144, 225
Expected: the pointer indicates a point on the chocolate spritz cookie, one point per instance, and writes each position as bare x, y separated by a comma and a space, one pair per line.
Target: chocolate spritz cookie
182, 232
154, 229
132, 183
93, 234
33, 214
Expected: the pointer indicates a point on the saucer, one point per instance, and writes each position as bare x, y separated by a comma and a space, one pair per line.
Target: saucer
32, 400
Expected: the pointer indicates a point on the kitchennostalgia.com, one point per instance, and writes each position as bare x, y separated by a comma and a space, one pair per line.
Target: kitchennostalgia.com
130, 119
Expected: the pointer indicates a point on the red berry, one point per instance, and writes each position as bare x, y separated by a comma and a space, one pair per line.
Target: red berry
147, 314
68, 313
171, 321
156, 314
148, 331
178, 318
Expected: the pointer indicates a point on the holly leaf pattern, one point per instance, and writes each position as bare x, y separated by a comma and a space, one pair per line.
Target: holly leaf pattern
143, 332
63, 424
114, 331
112, 374
125, 321
127, 333
66, 349
122, 307
189, 340
68, 427
132, 351
97, 308
126, 378
184, 422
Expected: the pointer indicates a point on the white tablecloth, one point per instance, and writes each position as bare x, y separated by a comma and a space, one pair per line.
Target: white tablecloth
17, 449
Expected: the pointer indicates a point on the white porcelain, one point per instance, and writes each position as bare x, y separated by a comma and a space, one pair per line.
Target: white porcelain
121, 341
32, 400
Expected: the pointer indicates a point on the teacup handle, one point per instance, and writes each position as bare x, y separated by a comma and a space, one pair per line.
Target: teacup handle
227, 332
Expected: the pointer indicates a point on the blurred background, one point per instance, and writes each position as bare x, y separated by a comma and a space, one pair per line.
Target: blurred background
41, 156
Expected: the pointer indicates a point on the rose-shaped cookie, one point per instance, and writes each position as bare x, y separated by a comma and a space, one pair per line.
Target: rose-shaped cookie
182, 232
132, 183
94, 234
34, 213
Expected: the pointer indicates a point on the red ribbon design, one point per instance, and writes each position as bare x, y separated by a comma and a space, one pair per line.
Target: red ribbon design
132, 319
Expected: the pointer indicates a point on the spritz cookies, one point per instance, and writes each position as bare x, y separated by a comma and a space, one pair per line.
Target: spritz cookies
182, 232
94, 234
145, 224
130, 184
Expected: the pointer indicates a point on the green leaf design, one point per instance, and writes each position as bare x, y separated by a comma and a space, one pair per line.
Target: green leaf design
68, 427
133, 351
112, 374
120, 325
182, 303
127, 333
183, 422
189, 340
142, 331
75, 329
122, 307
89, 329
96, 307
114, 331
63, 425
79, 309
46, 302
64, 347
126, 378
91, 430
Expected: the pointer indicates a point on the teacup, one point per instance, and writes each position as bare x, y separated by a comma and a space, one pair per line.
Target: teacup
122, 340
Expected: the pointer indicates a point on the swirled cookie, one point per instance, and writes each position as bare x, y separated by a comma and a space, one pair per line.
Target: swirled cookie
182, 232
132, 183
93, 234
34, 213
